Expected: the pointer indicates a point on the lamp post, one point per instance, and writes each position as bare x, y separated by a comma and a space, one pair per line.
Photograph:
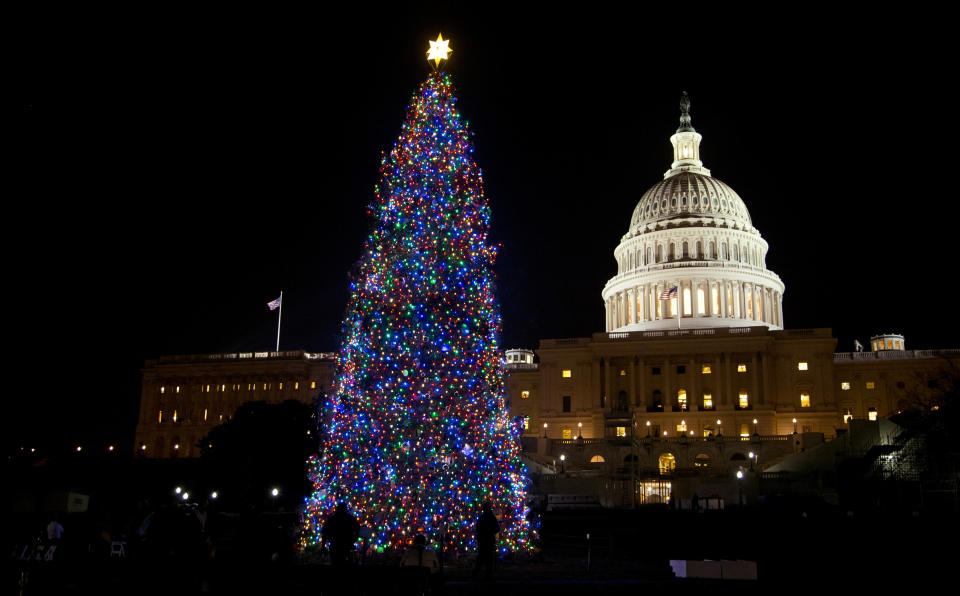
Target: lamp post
648, 428
544, 430
740, 488
755, 426
562, 459
580, 430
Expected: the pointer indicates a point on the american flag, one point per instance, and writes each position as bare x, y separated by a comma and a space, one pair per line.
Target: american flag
668, 294
275, 304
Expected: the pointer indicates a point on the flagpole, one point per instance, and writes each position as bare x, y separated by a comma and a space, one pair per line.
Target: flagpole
279, 316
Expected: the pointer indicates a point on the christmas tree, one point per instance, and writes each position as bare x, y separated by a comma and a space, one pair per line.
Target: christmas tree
418, 433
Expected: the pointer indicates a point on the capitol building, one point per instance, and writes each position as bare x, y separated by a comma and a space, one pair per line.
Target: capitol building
695, 376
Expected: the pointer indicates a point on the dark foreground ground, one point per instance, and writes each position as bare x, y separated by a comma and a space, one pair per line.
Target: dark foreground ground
629, 553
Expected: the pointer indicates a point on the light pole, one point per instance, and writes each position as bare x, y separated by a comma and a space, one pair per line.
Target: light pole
544, 430
740, 488
562, 459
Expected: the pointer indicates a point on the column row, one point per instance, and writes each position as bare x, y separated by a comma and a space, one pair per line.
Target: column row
695, 298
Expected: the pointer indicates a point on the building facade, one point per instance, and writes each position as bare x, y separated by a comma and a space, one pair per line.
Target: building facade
184, 397
696, 374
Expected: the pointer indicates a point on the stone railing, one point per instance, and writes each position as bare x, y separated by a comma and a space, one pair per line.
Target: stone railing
894, 355
234, 356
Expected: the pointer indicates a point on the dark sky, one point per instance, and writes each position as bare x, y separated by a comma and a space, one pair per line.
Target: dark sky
173, 174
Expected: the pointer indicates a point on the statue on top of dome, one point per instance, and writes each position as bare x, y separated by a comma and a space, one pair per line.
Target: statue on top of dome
685, 125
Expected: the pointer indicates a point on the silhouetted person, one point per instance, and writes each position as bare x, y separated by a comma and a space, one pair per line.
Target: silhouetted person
487, 529
340, 531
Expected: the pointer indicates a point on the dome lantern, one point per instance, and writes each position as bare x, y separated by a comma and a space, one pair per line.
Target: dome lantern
686, 144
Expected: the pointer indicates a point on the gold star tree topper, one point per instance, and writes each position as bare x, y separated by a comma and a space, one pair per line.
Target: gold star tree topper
439, 50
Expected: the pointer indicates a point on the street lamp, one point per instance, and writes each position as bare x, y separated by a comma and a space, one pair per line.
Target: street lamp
648, 428
562, 459
580, 430
794, 426
755, 426
544, 430
275, 492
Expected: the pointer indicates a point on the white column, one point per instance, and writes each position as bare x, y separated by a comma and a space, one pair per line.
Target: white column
693, 297
722, 288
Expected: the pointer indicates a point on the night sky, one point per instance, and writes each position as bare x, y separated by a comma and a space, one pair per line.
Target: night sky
170, 180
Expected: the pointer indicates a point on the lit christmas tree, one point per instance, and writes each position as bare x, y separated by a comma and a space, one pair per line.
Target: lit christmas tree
418, 433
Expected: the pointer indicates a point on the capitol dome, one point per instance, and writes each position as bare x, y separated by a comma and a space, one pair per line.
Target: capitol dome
691, 257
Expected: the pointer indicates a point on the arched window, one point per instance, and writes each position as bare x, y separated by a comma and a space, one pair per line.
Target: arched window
647, 261
723, 251
597, 459
668, 463
712, 250
702, 461
738, 457
736, 252
699, 254
659, 253
701, 301
686, 250
673, 251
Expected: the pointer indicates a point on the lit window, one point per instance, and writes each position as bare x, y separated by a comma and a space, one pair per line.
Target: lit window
524, 395
162, 389
313, 384
744, 400
872, 414
621, 431
707, 401
174, 415
281, 386
744, 430
845, 385
296, 385
160, 417
667, 463
870, 385
204, 414
741, 367
682, 427
706, 369
178, 389
623, 373
847, 416
567, 433
526, 423
264, 386
597, 459
804, 400
208, 388
889, 344
567, 373
682, 399
801, 366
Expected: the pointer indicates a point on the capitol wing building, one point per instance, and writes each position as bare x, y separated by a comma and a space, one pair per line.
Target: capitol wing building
696, 377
